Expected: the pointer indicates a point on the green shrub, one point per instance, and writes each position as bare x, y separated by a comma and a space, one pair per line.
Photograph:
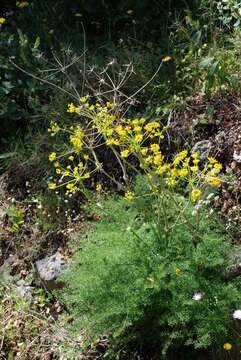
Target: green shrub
144, 292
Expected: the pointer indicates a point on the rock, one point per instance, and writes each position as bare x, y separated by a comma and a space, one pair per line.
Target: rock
24, 291
237, 156
50, 268
234, 267
6, 268
203, 148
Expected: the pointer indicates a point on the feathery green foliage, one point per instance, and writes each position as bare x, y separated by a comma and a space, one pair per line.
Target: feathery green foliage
129, 284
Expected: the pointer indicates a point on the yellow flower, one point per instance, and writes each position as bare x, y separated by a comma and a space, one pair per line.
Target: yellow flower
129, 12
22, 4
158, 159
78, 14
77, 139
120, 130
152, 126
54, 129
110, 105
58, 171
2, 20
186, 162
161, 169
137, 129
212, 160
196, 194
125, 153
214, 181
73, 109
83, 99
71, 188
179, 157
52, 156
218, 167
183, 154
166, 58
144, 151
57, 164
171, 182
99, 187
183, 172
112, 141
194, 168
174, 172
129, 195
138, 138
86, 175
52, 186
109, 132
178, 271
155, 148
86, 157
227, 346
71, 158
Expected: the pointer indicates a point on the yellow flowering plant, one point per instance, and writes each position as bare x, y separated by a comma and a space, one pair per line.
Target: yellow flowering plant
136, 144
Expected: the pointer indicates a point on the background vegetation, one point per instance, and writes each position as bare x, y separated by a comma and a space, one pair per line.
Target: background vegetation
150, 276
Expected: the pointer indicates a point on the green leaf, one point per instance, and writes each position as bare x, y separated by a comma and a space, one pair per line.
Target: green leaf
213, 69
206, 62
37, 43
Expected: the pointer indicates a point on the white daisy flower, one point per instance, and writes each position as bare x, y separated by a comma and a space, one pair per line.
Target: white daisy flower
237, 314
197, 296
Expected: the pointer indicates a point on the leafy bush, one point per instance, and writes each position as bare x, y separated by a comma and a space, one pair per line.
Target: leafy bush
148, 289
19, 94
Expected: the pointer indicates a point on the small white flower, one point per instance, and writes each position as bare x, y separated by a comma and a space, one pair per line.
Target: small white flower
237, 314
197, 296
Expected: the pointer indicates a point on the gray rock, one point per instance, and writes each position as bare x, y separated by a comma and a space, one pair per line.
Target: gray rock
234, 267
24, 291
50, 268
203, 148
237, 156
5, 269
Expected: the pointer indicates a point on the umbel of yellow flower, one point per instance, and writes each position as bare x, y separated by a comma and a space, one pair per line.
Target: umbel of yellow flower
2, 20
22, 4
99, 187
125, 153
54, 128
52, 156
227, 346
196, 194
166, 58
129, 195
52, 186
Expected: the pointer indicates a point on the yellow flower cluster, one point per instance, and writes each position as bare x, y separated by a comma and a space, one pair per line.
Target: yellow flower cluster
227, 346
129, 195
74, 175
2, 20
54, 128
22, 4
139, 138
77, 139
166, 58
